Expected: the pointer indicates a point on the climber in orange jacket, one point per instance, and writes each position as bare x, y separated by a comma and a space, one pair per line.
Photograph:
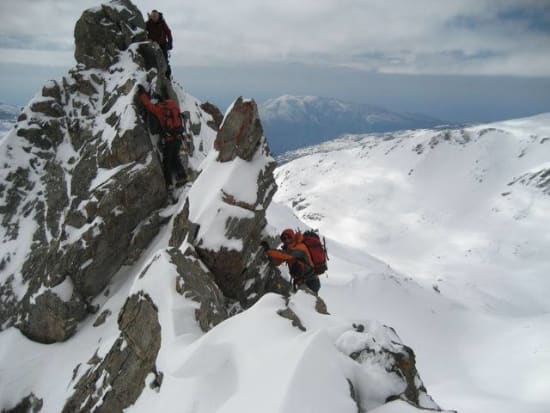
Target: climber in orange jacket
295, 253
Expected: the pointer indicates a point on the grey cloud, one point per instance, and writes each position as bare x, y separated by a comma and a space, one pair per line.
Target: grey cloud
424, 36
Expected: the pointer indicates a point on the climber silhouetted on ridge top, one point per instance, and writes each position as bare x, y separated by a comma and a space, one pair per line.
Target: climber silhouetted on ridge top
159, 32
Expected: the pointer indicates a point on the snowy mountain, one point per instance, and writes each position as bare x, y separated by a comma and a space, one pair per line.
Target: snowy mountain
292, 122
8, 115
462, 216
118, 296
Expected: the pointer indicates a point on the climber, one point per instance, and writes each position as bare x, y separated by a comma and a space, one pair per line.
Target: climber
168, 114
159, 32
295, 253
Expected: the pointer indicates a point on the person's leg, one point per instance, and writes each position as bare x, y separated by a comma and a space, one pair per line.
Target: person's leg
314, 285
175, 162
164, 49
166, 160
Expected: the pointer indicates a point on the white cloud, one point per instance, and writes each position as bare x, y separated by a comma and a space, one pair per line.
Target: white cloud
399, 36
37, 57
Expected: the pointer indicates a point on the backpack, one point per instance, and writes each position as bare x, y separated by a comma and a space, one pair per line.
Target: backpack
173, 125
317, 250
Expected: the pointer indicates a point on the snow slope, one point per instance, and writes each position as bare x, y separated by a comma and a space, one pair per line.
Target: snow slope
295, 121
462, 215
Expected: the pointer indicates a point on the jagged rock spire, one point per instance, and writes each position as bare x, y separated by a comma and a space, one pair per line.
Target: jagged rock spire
102, 32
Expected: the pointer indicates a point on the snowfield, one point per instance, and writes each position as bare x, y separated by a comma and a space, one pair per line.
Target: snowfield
461, 217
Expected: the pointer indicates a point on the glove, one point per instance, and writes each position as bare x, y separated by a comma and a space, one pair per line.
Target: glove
264, 245
169, 45
140, 90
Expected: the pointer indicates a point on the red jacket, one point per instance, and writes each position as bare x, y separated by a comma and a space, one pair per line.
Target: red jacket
159, 110
159, 32
155, 109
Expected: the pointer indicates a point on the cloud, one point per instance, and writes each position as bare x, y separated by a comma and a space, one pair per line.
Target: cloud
421, 37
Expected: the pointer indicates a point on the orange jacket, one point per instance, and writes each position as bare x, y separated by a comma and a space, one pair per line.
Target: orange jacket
296, 256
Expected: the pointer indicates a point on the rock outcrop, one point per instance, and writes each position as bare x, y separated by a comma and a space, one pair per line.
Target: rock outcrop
227, 228
101, 33
81, 181
241, 132
115, 382
214, 111
378, 349
29, 404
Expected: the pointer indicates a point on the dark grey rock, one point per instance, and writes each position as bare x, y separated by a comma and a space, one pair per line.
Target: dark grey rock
102, 318
118, 379
198, 284
143, 234
48, 319
52, 90
292, 316
83, 232
101, 33
48, 107
29, 404
57, 198
241, 132
215, 112
46, 134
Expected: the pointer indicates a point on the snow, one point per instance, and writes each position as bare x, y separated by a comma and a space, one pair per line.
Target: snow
439, 219
63, 290
238, 179
397, 406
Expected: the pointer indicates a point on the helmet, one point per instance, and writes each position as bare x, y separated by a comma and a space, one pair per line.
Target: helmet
287, 234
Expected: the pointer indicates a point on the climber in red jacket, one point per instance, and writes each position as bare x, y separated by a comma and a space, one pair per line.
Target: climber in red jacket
159, 32
295, 253
168, 114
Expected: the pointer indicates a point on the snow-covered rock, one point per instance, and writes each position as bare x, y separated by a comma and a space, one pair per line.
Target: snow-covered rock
81, 182
224, 215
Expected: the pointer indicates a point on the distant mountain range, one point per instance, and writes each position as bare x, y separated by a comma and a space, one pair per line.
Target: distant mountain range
8, 115
292, 122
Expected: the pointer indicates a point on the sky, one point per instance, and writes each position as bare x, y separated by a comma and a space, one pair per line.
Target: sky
458, 60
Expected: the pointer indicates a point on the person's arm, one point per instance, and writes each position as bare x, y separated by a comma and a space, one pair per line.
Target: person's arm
277, 257
168, 34
154, 109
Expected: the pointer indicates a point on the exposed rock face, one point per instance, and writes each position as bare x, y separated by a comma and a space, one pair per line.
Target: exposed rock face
29, 404
214, 111
197, 283
81, 181
115, 382
241, 132
101, 33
